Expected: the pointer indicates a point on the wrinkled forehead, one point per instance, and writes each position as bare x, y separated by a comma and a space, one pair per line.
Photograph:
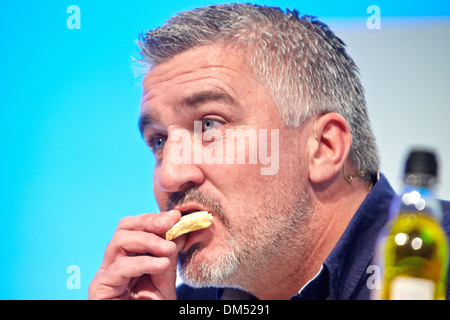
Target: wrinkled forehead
216, 71
199, 60
196, 69
194, 77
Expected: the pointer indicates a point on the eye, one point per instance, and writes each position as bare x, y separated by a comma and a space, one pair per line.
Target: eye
157, 143
209, 124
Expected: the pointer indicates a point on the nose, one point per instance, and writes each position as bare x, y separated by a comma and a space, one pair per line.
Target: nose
177, 171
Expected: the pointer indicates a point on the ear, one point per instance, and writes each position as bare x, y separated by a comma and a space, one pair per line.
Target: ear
330, 145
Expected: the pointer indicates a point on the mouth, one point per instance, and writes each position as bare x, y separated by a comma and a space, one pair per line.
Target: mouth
183, 213
191, 208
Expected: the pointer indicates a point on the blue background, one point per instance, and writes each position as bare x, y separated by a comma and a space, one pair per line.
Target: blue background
72, 161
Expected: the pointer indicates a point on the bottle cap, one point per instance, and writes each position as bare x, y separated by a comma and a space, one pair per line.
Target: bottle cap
421, 161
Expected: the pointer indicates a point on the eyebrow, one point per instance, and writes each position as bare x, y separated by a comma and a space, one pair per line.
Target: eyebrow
205, 96
191, 101
145, 120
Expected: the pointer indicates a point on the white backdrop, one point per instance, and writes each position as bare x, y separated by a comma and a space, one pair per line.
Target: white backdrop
405, 69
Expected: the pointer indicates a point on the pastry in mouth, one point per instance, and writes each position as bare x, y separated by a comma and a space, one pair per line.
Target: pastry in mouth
188, 223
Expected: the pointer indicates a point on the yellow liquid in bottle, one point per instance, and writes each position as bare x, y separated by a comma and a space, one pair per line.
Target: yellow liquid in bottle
416, 259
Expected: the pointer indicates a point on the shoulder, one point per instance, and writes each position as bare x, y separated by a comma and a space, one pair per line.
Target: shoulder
185, 292
446, 227
446, 216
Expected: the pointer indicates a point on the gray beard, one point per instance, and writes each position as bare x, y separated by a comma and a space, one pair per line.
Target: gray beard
252, 254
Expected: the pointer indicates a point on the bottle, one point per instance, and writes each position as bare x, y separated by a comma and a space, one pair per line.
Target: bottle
415, 248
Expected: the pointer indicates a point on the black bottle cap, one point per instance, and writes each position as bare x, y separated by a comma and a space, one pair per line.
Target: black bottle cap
421, 161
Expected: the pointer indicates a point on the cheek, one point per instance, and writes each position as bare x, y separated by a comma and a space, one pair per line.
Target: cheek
234, 185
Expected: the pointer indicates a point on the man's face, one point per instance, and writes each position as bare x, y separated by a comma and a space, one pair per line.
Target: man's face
192, 105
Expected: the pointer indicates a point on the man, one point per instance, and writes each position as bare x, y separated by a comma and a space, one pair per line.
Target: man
306, 229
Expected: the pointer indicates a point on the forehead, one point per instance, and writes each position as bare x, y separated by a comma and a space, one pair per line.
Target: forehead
198, 58
197, 77
204, 68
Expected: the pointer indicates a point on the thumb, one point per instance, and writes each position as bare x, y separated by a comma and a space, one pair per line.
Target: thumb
165, 282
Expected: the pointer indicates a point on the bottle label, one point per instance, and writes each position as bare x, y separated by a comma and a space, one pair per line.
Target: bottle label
409, 288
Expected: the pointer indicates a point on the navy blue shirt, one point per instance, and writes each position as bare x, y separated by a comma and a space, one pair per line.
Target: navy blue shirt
349, 270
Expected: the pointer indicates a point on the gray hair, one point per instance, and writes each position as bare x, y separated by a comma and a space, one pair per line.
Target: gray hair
298, 59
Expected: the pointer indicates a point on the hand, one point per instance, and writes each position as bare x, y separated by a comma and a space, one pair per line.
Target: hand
138, 262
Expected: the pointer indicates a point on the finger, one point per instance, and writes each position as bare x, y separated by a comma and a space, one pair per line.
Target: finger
165, 282
144, 289
114, 281
151, 222
157, 223
141, 242
128, 267
130, 243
